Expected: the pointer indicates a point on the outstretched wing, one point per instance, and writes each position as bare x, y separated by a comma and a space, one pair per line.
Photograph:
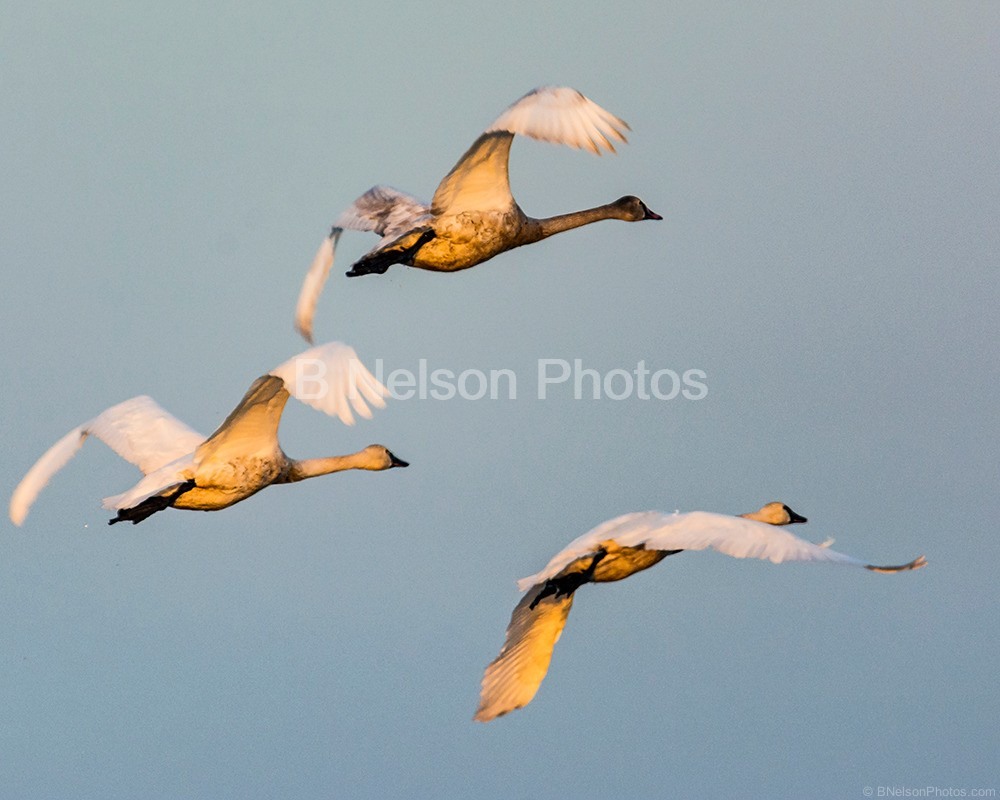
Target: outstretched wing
733, 536
562, 115
138, 430
557, 114
382, 209
332, 379
513, 678
702, 530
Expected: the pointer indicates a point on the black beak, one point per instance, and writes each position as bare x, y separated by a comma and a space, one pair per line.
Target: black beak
650, 214
793, 517
397, 462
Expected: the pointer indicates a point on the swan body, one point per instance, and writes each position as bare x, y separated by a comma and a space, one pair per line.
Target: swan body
184, 469
473, 216
615, 550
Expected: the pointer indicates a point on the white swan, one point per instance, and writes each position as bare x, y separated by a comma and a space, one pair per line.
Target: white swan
183, 469
473, 216
615, 550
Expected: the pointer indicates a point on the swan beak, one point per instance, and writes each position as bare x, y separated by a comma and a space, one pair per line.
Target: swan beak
650, 214
397, 462
793, 517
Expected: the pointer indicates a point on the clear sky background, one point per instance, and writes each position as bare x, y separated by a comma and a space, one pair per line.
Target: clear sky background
829, 182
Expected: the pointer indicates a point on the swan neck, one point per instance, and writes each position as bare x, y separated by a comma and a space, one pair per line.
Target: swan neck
313, 467
575, 219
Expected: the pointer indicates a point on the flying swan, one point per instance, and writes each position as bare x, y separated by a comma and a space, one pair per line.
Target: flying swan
473, 216
185, 470
615, 550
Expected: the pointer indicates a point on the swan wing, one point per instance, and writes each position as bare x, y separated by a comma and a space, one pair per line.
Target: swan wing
156, 482
382, 209
557, 114
479, 182
312, 286
740, 538
734, 536
701, 530
144, 434
54, 459
332, 379
513, 678
585, 545
562, 115
138, 430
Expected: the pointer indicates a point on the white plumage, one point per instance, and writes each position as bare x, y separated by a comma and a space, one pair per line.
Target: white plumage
738, 537
615, 550
562, 115
138, 430
183, 468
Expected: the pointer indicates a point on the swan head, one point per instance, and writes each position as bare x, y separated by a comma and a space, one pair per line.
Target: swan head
776, 514
378, 457
633, 209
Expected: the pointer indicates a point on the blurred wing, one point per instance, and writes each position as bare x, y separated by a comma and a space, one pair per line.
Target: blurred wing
313, 284
144, 434
382, 209
513, 678
332, 379
138, 430
41, 473
562, 115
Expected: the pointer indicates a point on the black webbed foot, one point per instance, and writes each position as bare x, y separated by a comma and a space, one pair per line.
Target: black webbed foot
380, 261
567, 584
150, 505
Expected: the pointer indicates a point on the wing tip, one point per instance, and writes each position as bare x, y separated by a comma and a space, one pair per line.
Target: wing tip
918, 563
484, 714
303, 327
17, 515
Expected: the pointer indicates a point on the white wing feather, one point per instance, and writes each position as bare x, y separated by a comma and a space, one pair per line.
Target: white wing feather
382, 209
41, 473
513, 677
313, 284
138, 430
586, 544
697, 530
562, 115
170, 474
732, 536
332, 379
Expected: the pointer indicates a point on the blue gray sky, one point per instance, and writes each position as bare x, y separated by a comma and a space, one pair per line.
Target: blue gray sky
828, 259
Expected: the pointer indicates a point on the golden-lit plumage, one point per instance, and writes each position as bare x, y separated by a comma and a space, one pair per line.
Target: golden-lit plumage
185, 470
473, 215
614, 551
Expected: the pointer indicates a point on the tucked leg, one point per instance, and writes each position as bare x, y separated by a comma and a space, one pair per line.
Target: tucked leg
379, 261
567, 584
151, 505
